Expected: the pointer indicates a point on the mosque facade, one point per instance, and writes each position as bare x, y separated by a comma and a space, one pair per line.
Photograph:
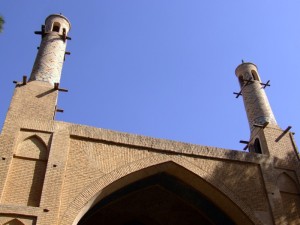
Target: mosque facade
58, 173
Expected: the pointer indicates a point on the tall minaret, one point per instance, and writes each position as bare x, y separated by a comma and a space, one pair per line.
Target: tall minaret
256, 103
37, 99
49, 61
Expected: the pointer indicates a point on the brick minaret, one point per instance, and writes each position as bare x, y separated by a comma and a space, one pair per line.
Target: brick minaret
37, 98
266, 137
51, 54
256, 102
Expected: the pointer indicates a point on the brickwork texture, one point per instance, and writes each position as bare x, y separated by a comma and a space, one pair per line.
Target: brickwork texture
54, 173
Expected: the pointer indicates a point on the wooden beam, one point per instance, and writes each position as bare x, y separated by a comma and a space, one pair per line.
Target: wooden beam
59, 110
56, 87
283, 133
24, 80
237, 94
264, 85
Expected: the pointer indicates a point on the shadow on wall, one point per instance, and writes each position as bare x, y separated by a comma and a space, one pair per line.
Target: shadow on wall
253, 184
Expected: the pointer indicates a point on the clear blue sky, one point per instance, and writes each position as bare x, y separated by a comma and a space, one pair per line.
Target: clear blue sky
162, 68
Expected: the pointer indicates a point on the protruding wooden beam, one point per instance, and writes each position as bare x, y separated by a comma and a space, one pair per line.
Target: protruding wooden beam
238, 94
264, 85
24, 80
64, 36
59, 110
245, 142
42, 32
283, 133
56, 87
246, 147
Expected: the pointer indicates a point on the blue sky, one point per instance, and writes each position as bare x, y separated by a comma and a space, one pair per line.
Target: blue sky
162, 68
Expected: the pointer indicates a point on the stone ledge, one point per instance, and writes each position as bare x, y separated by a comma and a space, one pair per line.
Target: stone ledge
138, 141
20, 210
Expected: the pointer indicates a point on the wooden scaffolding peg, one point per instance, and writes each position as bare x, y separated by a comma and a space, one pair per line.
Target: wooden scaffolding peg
283, 133
264, 85
24, 81
42, 32
238, 94
59, 110
56, 87
64, 36
245, 142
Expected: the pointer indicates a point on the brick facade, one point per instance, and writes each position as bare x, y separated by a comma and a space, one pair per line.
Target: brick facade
54, 173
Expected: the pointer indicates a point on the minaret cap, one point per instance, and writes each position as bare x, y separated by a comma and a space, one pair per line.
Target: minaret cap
245, 66
59, 15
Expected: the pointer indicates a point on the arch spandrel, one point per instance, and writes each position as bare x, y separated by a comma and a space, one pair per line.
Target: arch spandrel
212, 188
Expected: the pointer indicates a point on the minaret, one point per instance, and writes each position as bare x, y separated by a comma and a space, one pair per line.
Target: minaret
37, 99
256, 103
266, 137
50, 58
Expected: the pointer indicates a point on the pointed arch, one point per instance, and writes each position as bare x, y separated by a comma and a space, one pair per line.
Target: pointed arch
14, 222
255, 75
158, 199
289, 191
176, 166
257, 146
33, 147
27, 172
287, 184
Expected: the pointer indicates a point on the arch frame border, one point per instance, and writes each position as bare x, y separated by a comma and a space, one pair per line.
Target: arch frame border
97, 190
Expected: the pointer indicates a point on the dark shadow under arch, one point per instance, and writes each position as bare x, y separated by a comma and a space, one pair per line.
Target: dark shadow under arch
156, 200
211, 187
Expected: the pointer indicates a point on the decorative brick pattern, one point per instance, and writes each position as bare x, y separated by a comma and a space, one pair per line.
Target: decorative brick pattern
26, 175
17, 220
52, 172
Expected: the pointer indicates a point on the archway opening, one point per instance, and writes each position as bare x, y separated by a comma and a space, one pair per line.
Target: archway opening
257, 147
156, 200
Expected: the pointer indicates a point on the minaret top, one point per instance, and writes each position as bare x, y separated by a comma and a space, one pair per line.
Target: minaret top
51, 55
57, 19
246, 67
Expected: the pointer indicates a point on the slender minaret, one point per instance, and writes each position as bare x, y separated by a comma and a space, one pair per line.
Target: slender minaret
49, 60
256, 103
37, 98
